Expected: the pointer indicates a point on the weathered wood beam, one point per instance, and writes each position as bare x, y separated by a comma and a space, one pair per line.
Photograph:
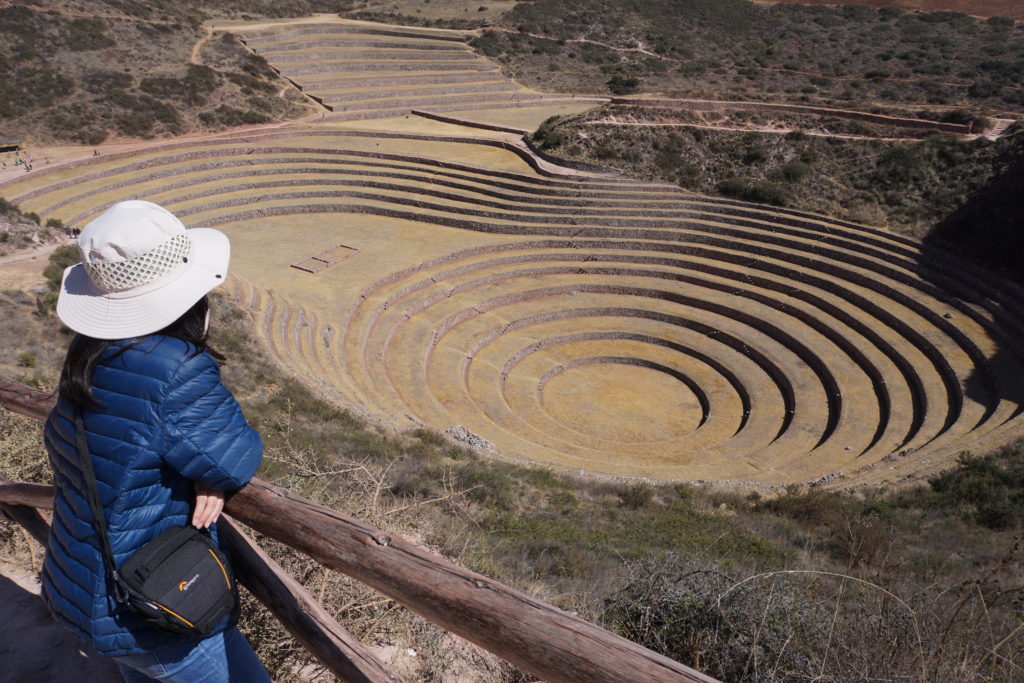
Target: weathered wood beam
292, 604
533, 635
33, 495
25, 400
27, 516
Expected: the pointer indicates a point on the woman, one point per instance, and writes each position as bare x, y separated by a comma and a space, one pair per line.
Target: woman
162, 429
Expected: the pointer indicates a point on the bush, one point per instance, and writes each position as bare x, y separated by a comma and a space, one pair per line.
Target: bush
760, 191
623, 85
252, 117
87, 34
636, 497
756, 154
99, 82
548, 135
77, 122
31, 87
142, 114
60, 258
230, 116
193, 89
793, 172
988, 490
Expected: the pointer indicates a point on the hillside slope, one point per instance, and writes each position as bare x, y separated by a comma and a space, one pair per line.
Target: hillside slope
103, 69
862, 173
989, 225
736, 49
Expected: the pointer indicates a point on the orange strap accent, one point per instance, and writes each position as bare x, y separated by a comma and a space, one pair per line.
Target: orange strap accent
175, 614
226, 579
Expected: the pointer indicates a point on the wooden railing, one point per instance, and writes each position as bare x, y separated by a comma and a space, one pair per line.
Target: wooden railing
535, 636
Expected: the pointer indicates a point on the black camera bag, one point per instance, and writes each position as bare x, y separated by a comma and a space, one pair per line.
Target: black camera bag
178, 582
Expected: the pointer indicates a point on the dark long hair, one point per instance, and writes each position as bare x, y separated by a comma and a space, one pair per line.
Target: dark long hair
85, 352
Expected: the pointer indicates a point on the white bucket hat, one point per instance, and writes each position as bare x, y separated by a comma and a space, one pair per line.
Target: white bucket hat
140, 271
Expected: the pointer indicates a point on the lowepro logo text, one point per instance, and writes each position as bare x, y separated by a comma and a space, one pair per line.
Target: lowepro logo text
185, 585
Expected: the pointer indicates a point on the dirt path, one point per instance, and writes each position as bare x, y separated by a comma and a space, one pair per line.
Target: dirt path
194, 57
24, 270
31, 253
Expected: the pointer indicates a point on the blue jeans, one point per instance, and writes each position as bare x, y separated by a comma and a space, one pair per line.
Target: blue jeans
223, 658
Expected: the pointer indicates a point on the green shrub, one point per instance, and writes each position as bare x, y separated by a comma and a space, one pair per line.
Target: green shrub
988, 490
1000, 23
85, 34
623, 85
756, 154
793, 172
760, 191
26, 359
31, 87
194, 88
230, 116
252, 117
636, 496
60, 258
549, 135
78, 122
255, 65
101, 81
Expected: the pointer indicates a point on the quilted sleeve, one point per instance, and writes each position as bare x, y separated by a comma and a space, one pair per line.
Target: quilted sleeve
208, 439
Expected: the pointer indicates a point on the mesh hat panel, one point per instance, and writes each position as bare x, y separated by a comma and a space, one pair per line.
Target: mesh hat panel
162, 260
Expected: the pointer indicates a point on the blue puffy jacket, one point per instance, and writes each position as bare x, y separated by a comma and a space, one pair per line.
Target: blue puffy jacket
165, 421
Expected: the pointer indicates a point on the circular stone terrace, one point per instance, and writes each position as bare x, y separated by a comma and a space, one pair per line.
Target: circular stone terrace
435, 273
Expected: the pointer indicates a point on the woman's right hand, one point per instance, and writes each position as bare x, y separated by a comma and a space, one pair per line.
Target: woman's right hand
209, 503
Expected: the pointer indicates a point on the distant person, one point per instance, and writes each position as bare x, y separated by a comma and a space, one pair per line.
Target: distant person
166, 437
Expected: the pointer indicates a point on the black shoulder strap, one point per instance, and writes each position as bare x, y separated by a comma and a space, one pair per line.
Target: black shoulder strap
93, 493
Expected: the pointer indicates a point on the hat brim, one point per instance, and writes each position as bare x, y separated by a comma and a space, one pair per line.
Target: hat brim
88, 310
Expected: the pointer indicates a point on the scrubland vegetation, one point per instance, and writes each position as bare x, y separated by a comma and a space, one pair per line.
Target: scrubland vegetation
735, 49
83, 80
921, 583
907, 185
